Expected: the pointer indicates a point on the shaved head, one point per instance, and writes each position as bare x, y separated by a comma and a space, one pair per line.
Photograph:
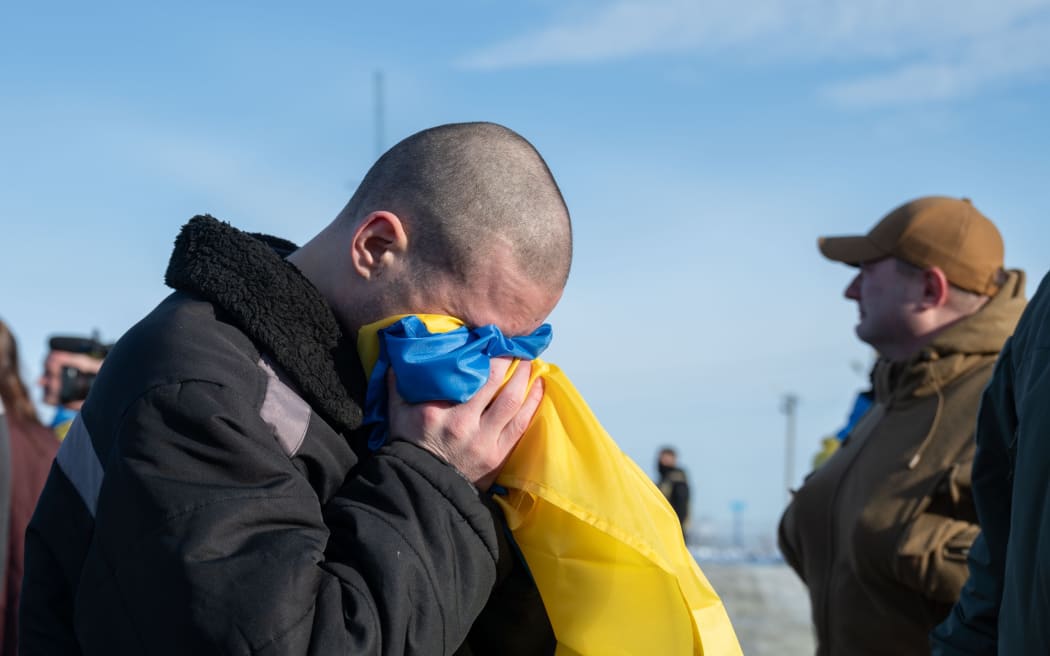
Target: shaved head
464, 190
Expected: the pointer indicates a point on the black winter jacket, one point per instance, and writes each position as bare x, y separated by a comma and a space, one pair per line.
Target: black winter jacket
1005, 603
212, 497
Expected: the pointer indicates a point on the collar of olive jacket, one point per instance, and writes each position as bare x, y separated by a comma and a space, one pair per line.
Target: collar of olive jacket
955, 351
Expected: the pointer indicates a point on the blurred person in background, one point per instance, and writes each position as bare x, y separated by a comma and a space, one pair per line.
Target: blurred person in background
1004, 606
70, 368
32, 448
830, 444
880, 533
674, 484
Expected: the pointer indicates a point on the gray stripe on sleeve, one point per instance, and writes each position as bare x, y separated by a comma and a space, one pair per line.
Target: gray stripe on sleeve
284, 410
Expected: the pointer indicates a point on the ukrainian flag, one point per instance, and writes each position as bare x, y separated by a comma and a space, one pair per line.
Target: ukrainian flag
602, 543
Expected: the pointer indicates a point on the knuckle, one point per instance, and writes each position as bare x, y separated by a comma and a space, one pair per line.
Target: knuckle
430, 415
458, 427
503, 403
518, 426
498, 367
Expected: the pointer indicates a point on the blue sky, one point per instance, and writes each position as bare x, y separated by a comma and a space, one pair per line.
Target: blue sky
702, 147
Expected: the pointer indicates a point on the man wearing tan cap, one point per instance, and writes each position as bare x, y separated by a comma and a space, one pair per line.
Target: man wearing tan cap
880, 532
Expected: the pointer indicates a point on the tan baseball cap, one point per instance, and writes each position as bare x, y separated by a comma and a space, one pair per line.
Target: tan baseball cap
933, 231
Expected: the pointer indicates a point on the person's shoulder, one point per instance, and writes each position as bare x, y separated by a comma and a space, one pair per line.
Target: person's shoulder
676, 475
183, 338
1033, 330
33, 439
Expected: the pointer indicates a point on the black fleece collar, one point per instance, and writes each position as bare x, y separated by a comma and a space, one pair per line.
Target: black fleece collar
247, 277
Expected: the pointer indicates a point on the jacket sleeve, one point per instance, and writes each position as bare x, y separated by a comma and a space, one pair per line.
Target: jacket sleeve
208, 540
971, 627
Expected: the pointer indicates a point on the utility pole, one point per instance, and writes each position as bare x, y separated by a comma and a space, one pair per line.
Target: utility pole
377, 88
789, 406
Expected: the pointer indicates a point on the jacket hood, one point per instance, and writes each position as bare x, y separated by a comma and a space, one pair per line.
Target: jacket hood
246, 277
987, 329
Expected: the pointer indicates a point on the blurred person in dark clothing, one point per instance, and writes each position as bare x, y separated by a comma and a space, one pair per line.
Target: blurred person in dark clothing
31, 448
1005, 604
880, 532
830, 444
674, 484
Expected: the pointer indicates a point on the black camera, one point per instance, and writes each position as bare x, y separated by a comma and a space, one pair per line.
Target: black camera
75, 383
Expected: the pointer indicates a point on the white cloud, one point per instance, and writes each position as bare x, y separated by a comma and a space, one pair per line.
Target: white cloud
1016, 53
927, 49
629, 28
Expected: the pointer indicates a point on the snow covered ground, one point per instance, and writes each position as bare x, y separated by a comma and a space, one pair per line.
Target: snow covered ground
768, 605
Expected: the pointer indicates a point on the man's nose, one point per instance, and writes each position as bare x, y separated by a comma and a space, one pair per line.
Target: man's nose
853, 290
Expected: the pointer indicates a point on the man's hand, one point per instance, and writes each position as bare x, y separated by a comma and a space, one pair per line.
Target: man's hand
79, 361
475, 437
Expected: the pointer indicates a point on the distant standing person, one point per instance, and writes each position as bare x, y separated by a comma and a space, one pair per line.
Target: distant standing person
32, 447
69, 370
879, 533
674, 484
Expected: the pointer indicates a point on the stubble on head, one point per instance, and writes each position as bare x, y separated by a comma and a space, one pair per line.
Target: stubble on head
489, 237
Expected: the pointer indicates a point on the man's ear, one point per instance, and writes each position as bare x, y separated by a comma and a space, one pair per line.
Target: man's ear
935, 287
379, 243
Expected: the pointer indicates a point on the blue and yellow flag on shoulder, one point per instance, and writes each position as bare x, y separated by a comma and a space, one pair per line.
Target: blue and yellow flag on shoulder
602, 543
